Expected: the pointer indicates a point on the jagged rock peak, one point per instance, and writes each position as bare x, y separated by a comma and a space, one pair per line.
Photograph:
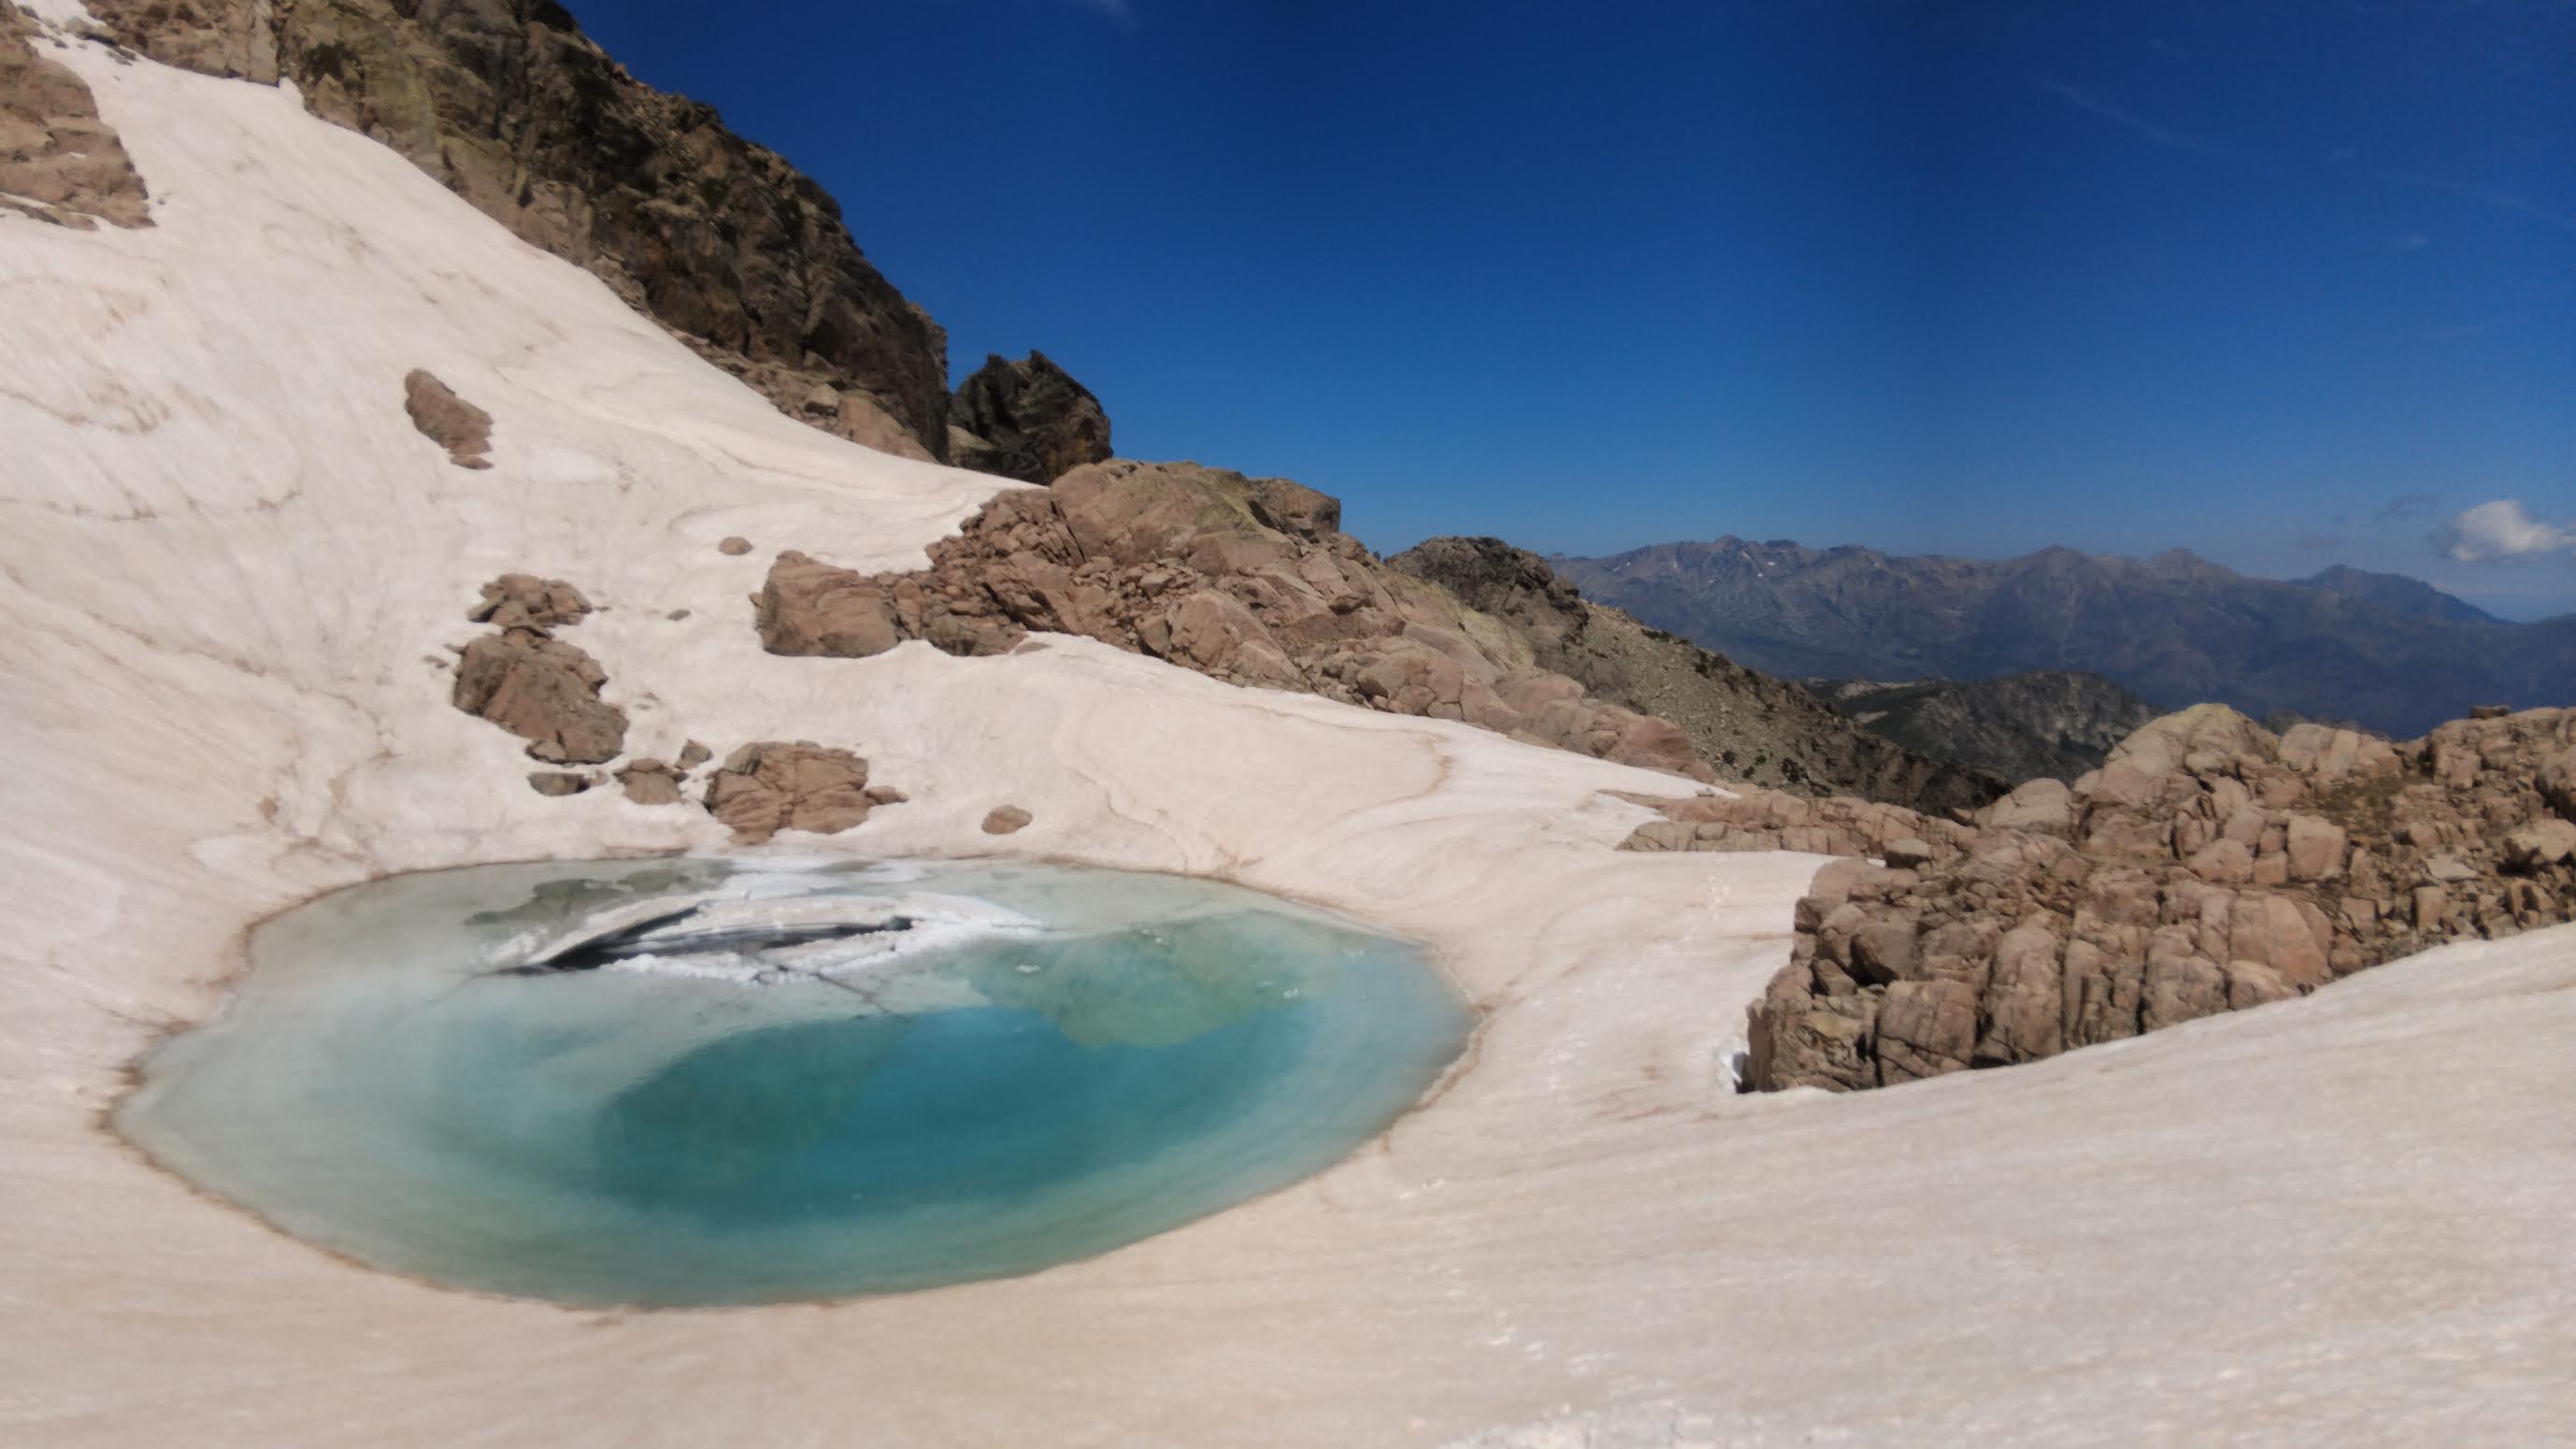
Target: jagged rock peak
1028, 420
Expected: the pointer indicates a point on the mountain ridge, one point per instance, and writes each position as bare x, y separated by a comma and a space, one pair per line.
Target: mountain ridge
2176, 629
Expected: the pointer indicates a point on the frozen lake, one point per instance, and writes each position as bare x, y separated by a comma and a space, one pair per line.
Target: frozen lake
710, 1082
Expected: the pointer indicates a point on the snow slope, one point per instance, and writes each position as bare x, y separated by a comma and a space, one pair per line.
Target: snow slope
230, 571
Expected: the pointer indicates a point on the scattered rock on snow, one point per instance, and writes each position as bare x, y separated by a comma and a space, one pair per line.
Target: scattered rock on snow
544, 691
514, 599
460, 427
768, 786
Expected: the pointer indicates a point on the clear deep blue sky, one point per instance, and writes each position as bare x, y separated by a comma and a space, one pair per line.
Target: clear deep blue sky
2286, 282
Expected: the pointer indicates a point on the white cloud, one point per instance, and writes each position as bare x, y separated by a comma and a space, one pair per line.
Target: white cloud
2501, 530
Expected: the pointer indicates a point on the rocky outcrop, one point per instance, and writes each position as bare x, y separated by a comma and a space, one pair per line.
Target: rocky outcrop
517, 111
1006, 820
2049, 722
1244, 580
536, 686
232, 38
58, 161
1747, 725
2209, 865
768, 786
460, 427
1027, 420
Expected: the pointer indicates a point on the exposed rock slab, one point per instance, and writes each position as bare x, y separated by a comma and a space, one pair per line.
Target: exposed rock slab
58, 161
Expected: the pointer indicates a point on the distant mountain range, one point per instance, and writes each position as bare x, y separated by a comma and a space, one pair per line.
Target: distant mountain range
2388, 652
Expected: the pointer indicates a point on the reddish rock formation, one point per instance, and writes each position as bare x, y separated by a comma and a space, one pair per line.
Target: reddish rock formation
2208, 866
58, 161
767, 786
1244, 580
460, 427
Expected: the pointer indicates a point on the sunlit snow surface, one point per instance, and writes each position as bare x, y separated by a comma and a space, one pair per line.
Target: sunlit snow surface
998, 1068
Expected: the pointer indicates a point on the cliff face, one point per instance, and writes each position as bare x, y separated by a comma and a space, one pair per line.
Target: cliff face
517, 111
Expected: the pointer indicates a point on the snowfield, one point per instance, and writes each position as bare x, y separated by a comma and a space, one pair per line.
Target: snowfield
232, 574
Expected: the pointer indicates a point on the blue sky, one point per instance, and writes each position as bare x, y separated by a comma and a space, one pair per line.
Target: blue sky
2286, 282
